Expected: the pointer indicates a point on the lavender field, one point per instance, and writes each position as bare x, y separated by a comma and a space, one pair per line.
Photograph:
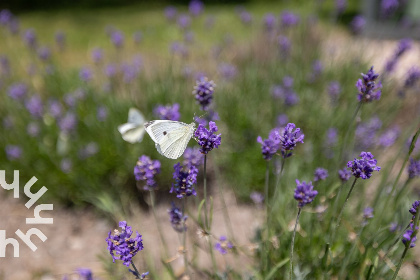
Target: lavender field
255, 141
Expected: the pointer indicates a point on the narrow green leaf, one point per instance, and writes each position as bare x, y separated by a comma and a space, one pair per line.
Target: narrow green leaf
200, 222
276, 267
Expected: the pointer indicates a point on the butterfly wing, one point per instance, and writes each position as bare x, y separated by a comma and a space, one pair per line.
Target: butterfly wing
131, 132
175, 142
160, 128
136, 117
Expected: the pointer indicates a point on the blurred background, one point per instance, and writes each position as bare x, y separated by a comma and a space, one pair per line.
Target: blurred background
70, 71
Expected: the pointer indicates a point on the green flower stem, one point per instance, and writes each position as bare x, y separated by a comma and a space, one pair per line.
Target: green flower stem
293, 244
407, 245
162, 238
135, 270
264, 254
184, 238
342, 208
206, 225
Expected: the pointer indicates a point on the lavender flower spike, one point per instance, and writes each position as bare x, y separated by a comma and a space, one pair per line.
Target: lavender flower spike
320, 174
289, 138
344, 174
207, 138
368, 89
270, 146
223, 246
122, 246
177, 218
185, 179
168, 112
406, 238
363, 167
145, 170
304, 193
414, 168
203, 91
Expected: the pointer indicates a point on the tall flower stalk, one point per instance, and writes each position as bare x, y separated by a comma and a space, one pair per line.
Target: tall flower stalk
409, 238
304, 194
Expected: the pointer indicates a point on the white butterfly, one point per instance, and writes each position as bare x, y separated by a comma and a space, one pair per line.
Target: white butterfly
133, 130
171, 138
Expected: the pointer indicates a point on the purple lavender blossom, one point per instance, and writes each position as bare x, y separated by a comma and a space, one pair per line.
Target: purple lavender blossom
289, 138
193, 156
320, 174
177, 218
196, 7
412, 76
206, 137
358, 24
185, 179
170, 12
277, 91
145, 170
366, 132
68, 123
44, 53
282, 120
13, 152
289, 19
168, 112
403, 46
331, 138
66, 165
393, 227
122, 246
184, 21
257, 198
97, 55
344, 174
414, 207
363, 167
389, 137
367, 87
270, 146
368, 213
88, 151
30, 38
284, 45
414, 168
101, 113
340, 6
130, 72
334, 90
117, 38
60, 40
227, 71
406, 238
269, 21
388, 7
85, 273
203, 91
223, 246
85, 74
14, 26
55, 108
5, 17
179, 48
304, 193
110, 70
32, 129
34, 106
17, 91
245, 17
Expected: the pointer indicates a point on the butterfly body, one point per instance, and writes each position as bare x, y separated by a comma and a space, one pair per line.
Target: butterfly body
171, 137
